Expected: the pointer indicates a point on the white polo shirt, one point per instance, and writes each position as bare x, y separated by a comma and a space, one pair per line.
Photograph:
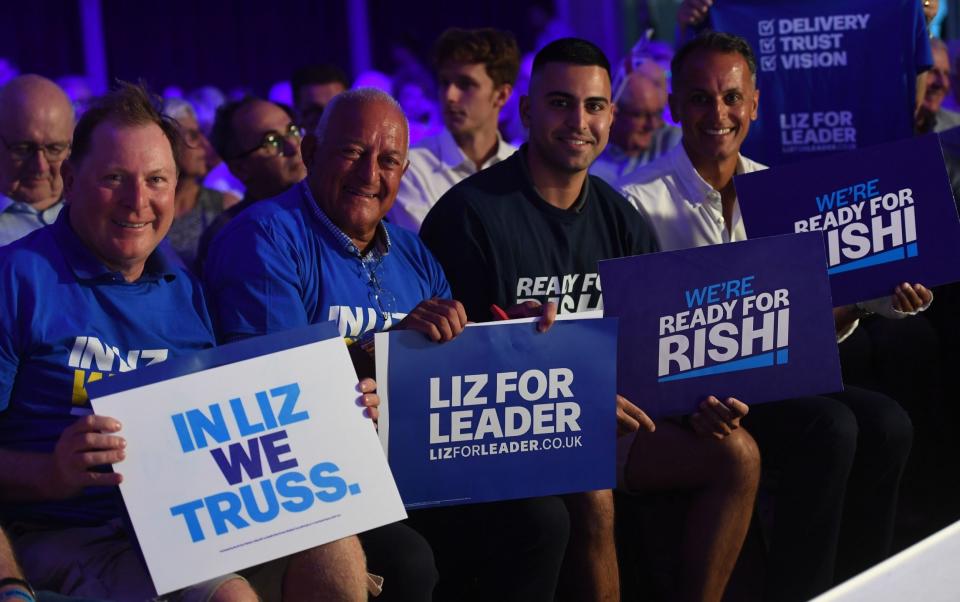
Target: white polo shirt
436, 164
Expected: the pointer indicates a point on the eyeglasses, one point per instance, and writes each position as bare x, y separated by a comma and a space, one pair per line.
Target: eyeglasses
272, 142
24, 151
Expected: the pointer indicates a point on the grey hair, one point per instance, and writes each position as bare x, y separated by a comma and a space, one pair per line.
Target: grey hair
178, 108
357, 96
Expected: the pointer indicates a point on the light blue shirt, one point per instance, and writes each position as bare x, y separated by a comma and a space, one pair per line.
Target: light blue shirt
19, 219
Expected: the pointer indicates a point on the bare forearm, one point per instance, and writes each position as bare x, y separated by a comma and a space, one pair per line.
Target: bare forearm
26, 476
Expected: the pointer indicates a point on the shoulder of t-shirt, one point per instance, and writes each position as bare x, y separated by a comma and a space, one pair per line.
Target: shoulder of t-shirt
281, 212
492, 184
35, 249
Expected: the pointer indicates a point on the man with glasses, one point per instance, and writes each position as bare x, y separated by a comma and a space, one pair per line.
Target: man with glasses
260, 142
321, 251
639, 134
36, 127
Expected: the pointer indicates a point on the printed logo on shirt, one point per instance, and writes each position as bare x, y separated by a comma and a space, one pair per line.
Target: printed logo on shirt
92, 358
354, 321
803, 43
573, 293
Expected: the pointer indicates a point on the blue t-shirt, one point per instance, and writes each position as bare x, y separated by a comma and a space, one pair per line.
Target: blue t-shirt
66, 320
281, 264
832, 76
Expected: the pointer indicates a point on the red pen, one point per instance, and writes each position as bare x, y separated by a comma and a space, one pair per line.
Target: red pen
498, 313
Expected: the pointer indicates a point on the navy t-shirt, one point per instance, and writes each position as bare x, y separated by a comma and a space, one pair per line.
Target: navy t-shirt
66, 320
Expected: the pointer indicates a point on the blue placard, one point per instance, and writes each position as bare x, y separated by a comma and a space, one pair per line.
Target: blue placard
887, 212
501, 412
833, 76
750, 320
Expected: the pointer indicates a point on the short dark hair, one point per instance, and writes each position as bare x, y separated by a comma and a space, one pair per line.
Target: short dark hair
715, 41
496, 49
223, 134
128, 105
326, 73
572, 51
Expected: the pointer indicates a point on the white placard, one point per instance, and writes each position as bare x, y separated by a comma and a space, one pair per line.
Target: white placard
324, 475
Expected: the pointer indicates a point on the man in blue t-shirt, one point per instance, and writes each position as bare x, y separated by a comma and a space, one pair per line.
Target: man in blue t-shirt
321, 251
81, 300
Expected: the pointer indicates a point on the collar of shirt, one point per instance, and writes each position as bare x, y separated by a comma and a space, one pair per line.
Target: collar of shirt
577, 206
453, 158
381, 239
86, 266
697, 190
45, 217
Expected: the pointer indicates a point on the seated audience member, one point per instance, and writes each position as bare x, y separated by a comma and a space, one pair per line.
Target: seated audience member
314, 87
476, 70
260, 143
639, 133
36, 126
195, 205
321, 251
931, 115
62, 511
839, 458
539, 214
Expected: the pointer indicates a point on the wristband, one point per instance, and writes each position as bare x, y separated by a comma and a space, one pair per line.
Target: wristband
25, 592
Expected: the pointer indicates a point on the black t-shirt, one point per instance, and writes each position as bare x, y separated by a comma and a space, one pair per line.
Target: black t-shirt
499, 241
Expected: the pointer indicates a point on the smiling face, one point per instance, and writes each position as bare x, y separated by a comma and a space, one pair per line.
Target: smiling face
714, 99
121, 194
568, 113
355, 170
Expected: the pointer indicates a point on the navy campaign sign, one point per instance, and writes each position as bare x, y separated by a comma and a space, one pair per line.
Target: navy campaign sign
833, 76
887, 213
751, 320
500, 412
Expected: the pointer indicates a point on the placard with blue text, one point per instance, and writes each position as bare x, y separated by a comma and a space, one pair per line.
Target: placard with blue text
833, 76
887, 213
500, 412
246, 453
751, 320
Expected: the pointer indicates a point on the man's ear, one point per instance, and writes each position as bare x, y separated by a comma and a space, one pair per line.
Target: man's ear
308, 148
525, 111
502, 95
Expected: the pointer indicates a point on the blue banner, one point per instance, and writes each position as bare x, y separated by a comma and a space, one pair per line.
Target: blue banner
887, 213
833, 76
501, 412
751, 320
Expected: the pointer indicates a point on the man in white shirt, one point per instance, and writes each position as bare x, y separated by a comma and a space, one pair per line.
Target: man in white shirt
838, 458
476, 70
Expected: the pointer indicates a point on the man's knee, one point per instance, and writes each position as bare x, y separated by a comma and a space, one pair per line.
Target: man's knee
542, 522
740, 459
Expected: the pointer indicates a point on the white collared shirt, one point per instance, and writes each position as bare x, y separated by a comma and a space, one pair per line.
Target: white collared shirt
436, 164
677, 202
